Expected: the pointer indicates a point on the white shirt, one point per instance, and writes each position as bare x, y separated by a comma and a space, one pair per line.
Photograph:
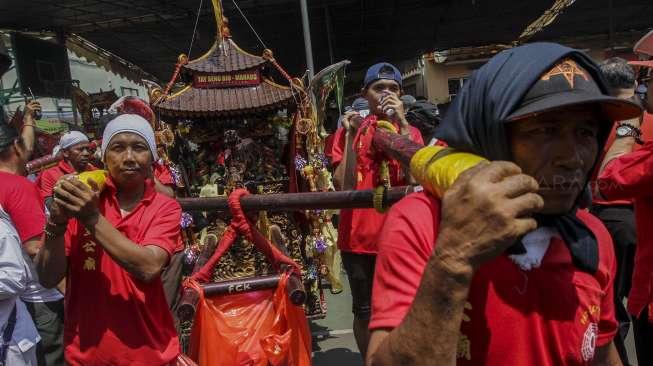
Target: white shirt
15, 277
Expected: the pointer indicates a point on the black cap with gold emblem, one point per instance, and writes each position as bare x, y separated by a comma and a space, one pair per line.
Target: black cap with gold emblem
569, 84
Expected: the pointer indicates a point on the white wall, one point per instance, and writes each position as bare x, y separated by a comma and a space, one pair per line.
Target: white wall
92, 79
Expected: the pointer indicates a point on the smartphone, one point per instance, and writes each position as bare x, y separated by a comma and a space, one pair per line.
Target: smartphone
37, 114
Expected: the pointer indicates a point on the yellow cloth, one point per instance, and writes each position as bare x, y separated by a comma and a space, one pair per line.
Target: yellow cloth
98, 176
331, 256
436, 168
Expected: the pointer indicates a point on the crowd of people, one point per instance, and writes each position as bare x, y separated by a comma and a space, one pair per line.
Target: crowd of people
526, 259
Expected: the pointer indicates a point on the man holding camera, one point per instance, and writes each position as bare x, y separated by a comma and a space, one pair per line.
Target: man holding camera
358, 228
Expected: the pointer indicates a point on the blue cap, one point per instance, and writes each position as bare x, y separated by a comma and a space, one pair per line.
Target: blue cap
382, 70
360, 104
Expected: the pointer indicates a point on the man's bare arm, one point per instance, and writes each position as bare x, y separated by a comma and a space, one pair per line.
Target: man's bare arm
144, 262
607, 356
51, 261
344, 176
33, 245
27, 133
439, 304
620, 146
485, 211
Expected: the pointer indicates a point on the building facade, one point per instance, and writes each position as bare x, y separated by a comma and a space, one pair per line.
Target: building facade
91, 79
438, 76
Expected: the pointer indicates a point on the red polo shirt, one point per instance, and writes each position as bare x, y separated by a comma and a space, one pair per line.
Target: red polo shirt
647, 135
46, 180
111, 317
551, 315
631, 177
22, 201
162, 173
358, 228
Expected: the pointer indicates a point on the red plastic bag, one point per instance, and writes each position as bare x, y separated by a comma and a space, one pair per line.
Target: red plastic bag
257, 328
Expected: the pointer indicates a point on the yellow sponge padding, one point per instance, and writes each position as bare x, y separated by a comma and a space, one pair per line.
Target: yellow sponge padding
436, 168
98, 176
385, 125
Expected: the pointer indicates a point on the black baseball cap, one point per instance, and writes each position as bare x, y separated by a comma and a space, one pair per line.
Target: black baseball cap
568, 84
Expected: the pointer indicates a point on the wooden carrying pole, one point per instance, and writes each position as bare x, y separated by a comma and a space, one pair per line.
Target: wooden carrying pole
395, 146
296, 201
190, 297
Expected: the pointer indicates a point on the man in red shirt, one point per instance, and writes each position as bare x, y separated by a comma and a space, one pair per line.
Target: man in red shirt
357, 229
112, 245
505, 269
629, 176
618, 216
21, 227
76, 152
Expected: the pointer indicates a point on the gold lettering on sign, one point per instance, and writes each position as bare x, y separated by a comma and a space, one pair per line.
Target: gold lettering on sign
227, 79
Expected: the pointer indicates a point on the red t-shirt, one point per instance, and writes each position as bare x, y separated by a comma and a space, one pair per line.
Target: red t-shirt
328, 147
47, 179
647, 135
111, 317
162, 173
631, 177
551, 315
22, 201
358, 228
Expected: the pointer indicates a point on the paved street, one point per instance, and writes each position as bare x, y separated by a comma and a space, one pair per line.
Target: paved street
333, 338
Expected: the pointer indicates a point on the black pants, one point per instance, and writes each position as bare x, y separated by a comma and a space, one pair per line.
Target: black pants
643, 331
48, 318
620, 222
360, 272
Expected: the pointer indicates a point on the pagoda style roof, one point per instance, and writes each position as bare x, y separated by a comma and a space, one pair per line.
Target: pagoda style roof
225, 81
224, 56
191, 101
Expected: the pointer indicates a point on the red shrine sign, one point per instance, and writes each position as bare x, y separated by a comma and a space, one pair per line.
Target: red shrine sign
241, 78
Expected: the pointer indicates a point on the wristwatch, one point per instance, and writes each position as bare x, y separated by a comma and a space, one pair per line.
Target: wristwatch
626, 129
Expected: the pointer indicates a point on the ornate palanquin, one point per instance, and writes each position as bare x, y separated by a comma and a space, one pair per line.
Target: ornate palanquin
230, 124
